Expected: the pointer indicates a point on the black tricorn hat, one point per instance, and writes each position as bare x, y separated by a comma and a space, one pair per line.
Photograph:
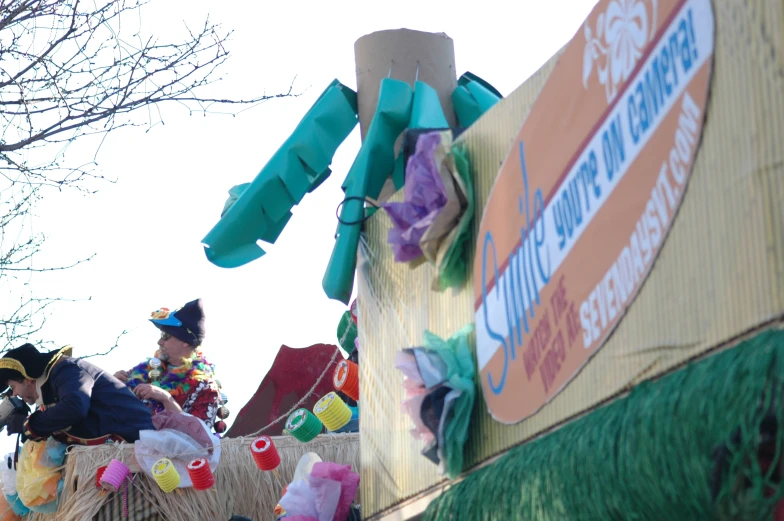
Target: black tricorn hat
28, 362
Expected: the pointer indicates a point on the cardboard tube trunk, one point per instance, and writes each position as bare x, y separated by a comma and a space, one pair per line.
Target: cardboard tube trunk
397, 54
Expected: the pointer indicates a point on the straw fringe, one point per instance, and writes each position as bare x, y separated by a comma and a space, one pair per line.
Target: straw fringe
240, 487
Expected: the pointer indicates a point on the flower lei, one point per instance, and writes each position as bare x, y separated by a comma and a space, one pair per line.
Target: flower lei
178, 381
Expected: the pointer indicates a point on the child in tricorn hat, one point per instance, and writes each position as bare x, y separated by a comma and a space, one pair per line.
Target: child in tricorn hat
93, 407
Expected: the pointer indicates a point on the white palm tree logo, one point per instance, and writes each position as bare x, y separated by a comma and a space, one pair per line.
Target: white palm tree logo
621, 35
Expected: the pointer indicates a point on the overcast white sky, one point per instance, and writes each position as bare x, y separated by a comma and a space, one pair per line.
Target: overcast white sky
173, 180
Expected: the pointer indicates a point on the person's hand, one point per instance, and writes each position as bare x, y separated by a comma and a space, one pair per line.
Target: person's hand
123, 376
16, 421
151, 392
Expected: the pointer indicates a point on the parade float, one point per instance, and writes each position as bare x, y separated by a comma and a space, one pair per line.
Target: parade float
604, 246
569, 299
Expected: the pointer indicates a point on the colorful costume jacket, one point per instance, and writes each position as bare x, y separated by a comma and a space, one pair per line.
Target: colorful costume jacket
192, 385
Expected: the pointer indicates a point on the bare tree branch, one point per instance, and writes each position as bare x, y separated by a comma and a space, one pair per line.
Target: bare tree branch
70, 69
26, 321
111, 348
30, 269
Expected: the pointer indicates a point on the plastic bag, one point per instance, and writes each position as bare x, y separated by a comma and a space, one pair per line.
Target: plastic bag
320, 491
8, 475
179, 447
299, 500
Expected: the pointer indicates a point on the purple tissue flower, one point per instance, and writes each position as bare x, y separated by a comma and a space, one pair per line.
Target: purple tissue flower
424, 196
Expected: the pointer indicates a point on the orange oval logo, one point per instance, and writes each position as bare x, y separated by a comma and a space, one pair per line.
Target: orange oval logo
585, 198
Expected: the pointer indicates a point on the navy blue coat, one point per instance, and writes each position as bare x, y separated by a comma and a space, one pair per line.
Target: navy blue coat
84, 404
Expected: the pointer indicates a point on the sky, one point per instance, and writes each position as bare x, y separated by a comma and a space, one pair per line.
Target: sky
173, 179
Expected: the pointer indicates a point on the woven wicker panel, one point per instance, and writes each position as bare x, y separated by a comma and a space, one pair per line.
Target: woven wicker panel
720, 272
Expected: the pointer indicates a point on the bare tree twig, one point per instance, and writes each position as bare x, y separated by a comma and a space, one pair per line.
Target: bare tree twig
111, 348
71, 69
